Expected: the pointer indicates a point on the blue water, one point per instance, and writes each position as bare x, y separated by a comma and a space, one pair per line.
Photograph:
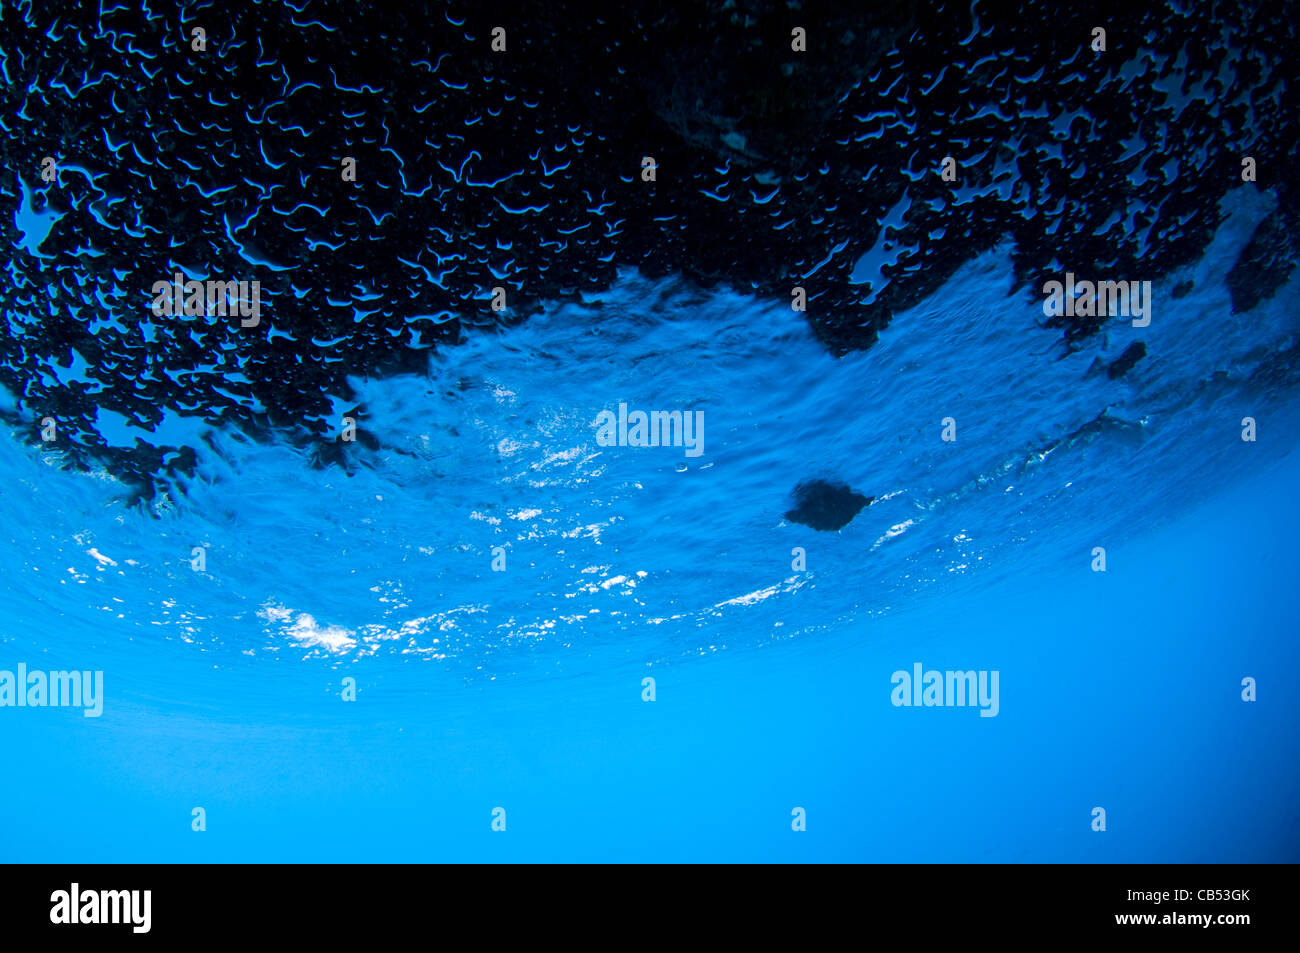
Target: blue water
522, 689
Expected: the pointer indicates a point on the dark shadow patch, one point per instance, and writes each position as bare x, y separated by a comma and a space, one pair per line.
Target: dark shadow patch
1263, 266
1124, 363
824, 505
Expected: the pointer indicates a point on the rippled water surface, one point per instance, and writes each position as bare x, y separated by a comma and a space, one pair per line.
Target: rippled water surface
523, 688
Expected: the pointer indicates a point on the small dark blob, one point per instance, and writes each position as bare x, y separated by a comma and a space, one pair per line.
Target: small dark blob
1182, 289
1132, 354
826, 506
1264, 265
